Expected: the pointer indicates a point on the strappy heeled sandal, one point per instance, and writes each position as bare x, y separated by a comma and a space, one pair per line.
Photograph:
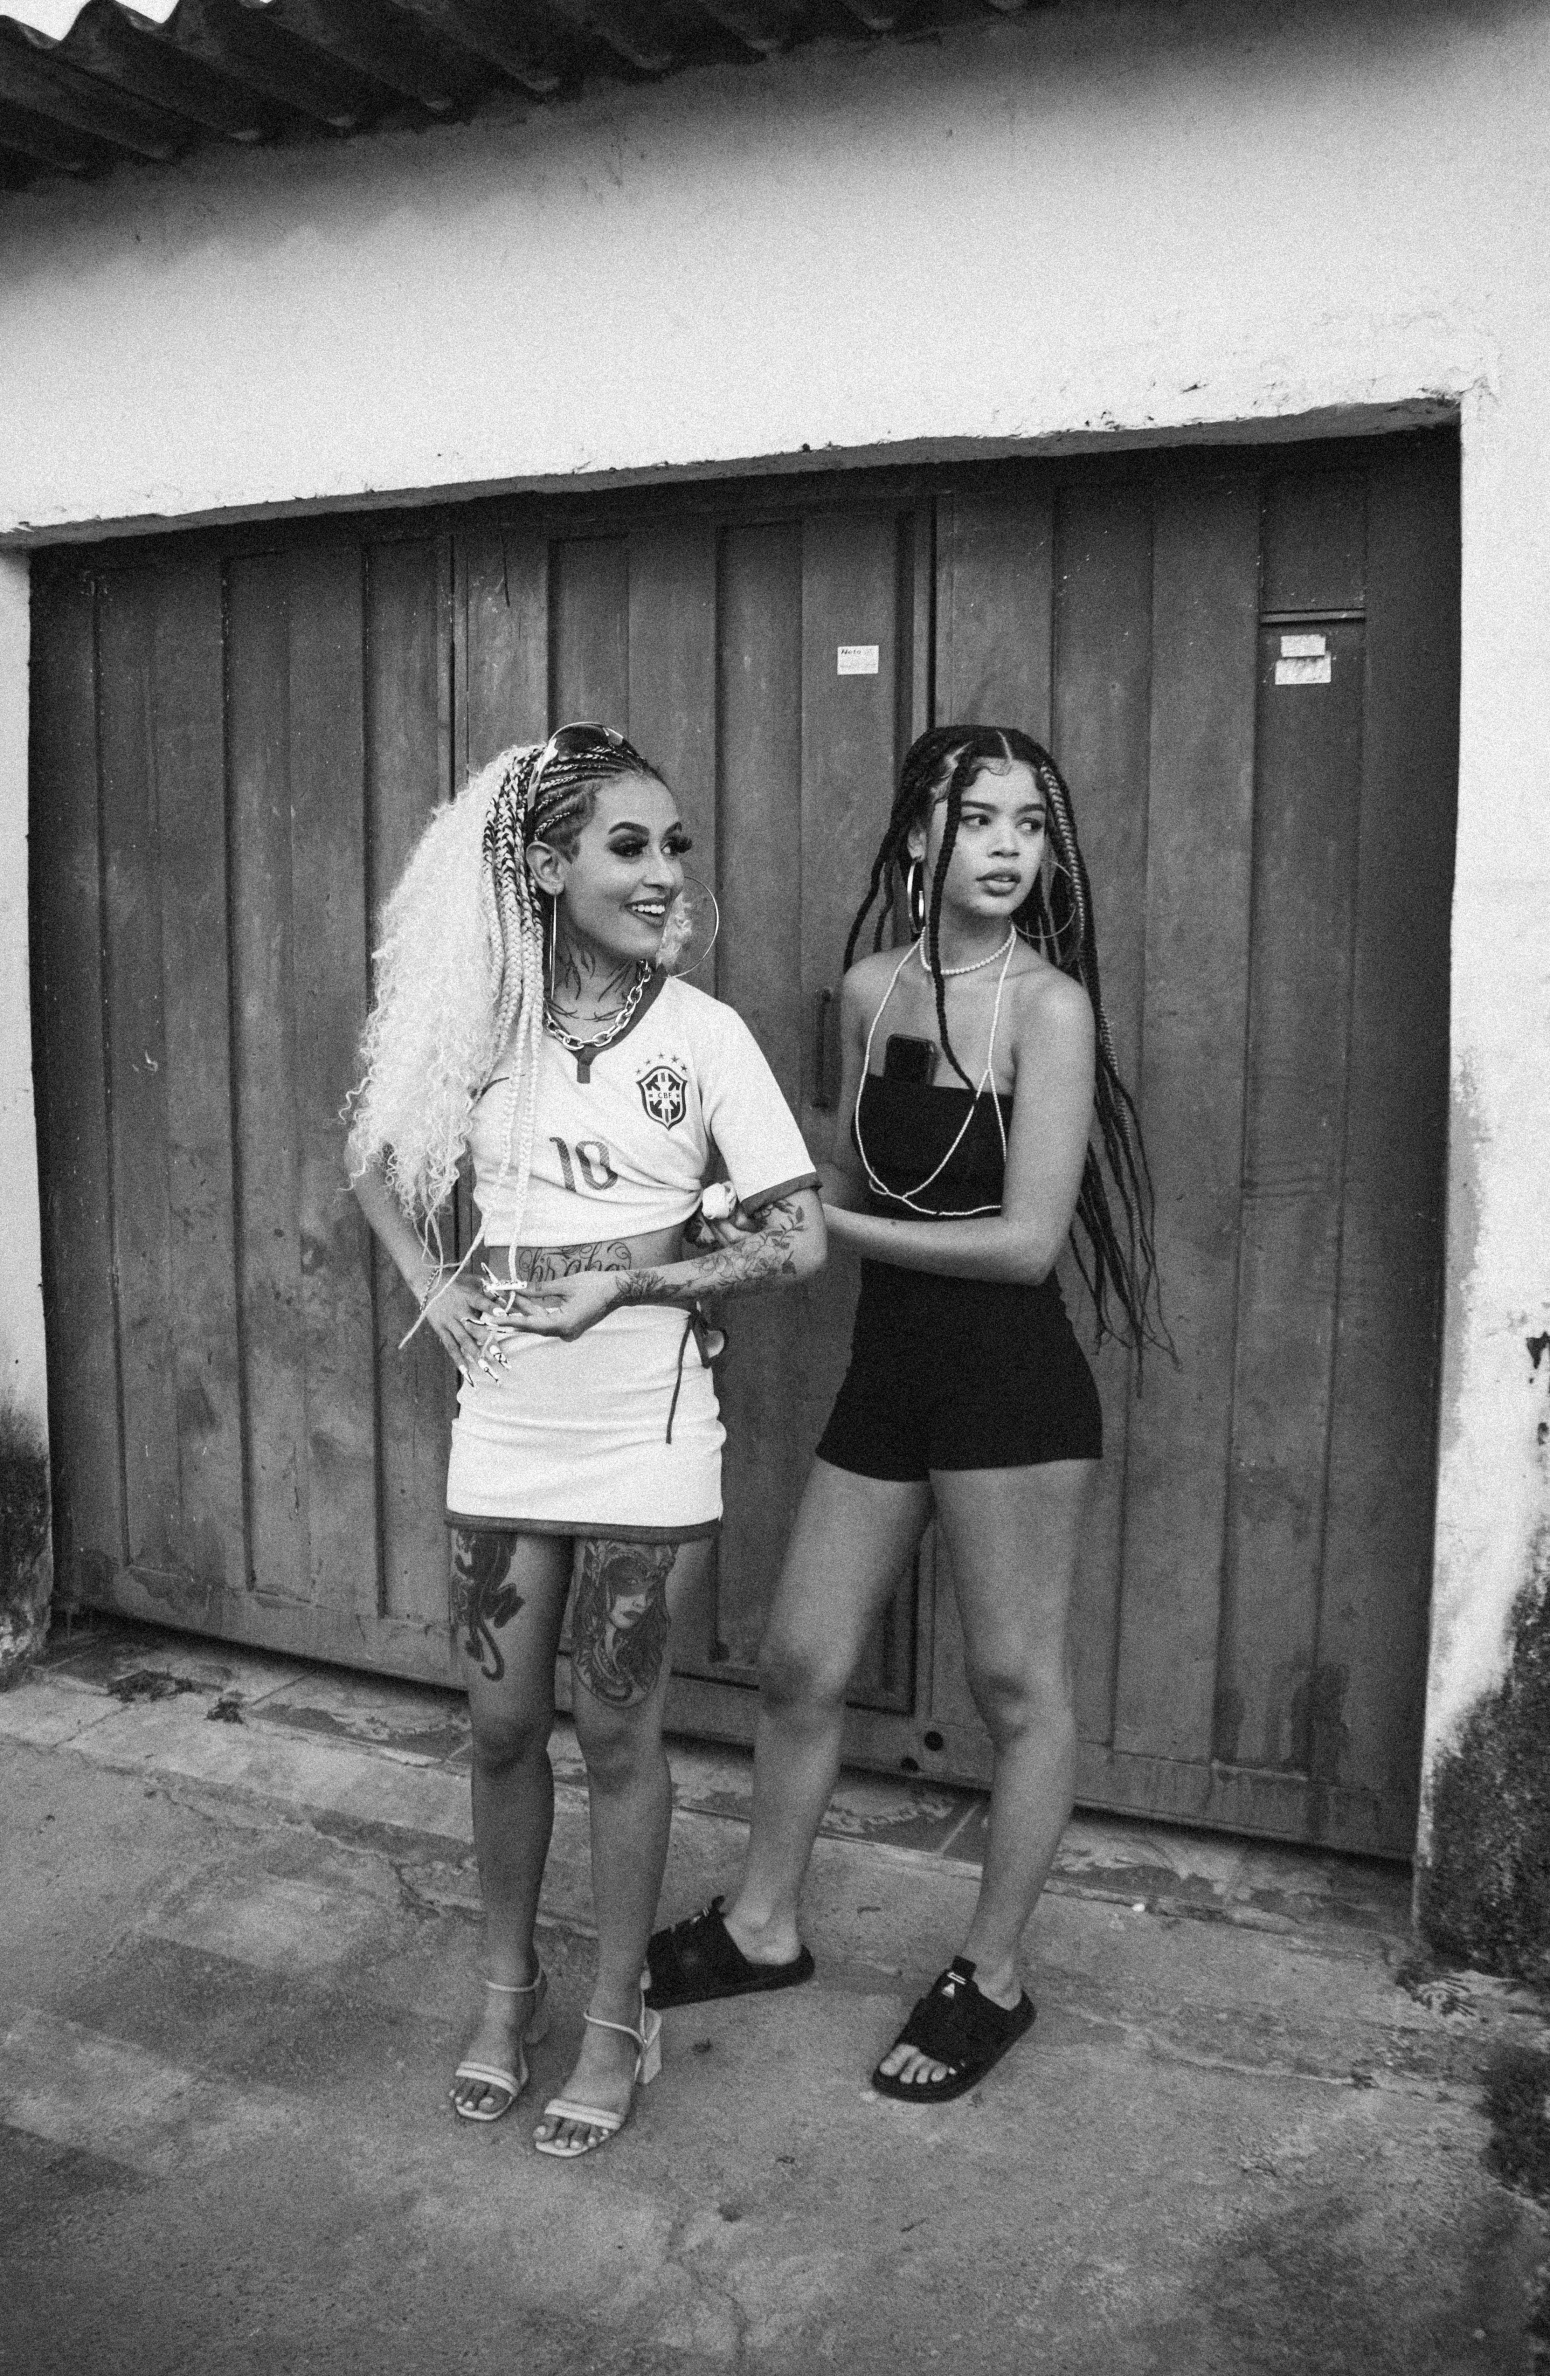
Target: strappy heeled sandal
648, 2062
955, 2025
510, 2083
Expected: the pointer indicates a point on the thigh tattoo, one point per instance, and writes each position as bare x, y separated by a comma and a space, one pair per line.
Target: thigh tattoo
619, 1629
482, 1598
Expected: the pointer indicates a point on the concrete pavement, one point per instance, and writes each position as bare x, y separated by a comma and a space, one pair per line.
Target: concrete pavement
241, 1947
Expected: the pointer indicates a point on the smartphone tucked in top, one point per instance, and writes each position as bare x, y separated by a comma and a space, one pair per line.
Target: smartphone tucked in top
907, 1059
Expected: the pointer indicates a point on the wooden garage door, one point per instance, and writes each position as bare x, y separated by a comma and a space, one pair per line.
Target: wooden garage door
236, 739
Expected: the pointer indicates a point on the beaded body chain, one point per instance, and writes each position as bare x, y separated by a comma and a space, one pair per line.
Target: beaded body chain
907, 1196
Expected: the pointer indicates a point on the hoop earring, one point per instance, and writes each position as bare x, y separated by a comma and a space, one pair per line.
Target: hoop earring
1041, 933
1058, 867
551, 899
915, 897
684, 947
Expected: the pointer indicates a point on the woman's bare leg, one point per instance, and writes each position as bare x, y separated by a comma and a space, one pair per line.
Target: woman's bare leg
507, 1605
852, 1538
626, 1594
1013, 1536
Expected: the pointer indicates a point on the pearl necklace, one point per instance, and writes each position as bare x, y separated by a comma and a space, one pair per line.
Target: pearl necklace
617, 1025
979, 962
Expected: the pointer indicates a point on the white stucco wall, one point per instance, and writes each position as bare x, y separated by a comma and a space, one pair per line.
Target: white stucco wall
1099, 217
1137, 220
22, 1375
26, 1572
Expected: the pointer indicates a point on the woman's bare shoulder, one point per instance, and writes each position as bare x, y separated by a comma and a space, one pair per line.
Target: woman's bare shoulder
1049, 1002
868, 979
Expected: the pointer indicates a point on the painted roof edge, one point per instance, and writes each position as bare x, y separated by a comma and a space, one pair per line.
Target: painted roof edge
152, 83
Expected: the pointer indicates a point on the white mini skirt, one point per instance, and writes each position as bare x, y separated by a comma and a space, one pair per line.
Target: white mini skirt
615, 1434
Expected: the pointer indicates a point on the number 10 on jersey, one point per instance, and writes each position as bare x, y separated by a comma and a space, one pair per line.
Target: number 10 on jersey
589, 1157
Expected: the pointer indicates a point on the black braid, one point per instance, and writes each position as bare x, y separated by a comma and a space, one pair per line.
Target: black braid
922, 765
1119, 1260
965, 768
568, 787
567, 796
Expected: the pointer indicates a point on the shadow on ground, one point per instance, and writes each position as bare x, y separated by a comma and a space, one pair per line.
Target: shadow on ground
240, 1954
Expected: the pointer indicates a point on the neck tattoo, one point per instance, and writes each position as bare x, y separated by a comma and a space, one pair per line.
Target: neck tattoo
614, 1028
578, 974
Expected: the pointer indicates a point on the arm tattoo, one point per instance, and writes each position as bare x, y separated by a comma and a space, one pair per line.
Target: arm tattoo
481, 1597
619, 1628
543, 1263
761, 1259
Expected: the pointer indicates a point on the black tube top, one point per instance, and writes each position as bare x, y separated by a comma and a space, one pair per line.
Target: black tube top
908, 1127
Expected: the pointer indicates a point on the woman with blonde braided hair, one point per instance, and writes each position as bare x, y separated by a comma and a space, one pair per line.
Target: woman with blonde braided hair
986, 1119
526, 1013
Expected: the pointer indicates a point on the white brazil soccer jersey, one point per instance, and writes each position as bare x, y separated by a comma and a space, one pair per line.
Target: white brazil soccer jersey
624, 1144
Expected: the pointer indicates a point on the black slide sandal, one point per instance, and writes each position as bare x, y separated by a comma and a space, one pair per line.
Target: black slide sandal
954, 2024
699, 1959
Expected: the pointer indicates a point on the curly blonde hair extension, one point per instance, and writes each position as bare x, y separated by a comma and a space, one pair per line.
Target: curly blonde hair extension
459, 974
437, 1017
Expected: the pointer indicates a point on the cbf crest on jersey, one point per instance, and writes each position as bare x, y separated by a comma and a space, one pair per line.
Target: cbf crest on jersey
664, 1092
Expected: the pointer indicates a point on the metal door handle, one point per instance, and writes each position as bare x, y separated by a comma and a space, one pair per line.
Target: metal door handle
823, 1095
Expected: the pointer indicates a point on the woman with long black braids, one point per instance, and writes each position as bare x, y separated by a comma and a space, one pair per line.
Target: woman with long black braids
988, 1125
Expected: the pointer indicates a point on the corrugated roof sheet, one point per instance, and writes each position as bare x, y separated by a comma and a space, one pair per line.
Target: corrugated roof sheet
118, 84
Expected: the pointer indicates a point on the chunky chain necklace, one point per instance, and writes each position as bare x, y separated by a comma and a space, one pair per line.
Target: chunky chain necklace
1004, 949
615, 1028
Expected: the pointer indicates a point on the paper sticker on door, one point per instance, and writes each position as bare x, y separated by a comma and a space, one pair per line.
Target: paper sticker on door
1305, 660
857, 660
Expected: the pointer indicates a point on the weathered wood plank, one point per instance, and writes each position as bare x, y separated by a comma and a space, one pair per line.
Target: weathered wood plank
1307, 795
759, 664
1204, 613
850, 754
264, 1074
1314, 540
994, 563
952, 1714
1266, 1804
188, 729
137, 1060
83, 1382
329, 972
1101, 743
672, 696
502, 657
672, 716
760, 700
589, 631
850, 760
1370, 1662
408, 764
917, 607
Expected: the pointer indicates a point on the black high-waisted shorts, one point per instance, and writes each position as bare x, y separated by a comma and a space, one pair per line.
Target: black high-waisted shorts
960, 1374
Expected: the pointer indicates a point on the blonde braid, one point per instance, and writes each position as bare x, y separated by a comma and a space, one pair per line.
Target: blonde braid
519, 1000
